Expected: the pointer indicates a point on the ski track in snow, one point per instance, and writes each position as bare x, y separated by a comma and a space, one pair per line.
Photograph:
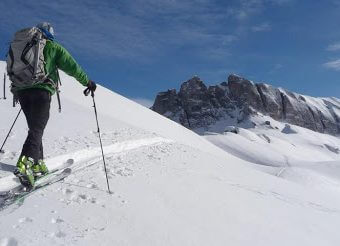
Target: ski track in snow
92, 154
285, 198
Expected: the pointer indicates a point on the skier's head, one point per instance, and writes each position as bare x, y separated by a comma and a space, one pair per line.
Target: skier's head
47, 29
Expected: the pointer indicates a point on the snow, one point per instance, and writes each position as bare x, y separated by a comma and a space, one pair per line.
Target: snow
170, 186
287, 151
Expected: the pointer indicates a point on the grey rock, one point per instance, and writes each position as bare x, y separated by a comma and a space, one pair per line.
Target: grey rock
271, 100
245, 93
167, 102
233, 129
288, 130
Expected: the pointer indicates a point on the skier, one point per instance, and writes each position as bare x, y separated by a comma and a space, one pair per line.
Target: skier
35, 99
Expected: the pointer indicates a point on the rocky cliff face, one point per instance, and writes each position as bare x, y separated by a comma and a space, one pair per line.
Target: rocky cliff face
197, 105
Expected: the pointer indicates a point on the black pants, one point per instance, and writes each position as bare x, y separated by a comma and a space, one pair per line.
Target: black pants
36, 106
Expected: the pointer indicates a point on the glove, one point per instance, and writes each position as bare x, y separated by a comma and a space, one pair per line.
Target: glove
91, 87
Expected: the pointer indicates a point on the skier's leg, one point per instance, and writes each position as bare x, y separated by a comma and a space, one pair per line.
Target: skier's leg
41, 153
25, 100
42, 115
37, 115
25, 162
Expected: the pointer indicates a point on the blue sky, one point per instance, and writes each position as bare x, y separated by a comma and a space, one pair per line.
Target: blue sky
138, 48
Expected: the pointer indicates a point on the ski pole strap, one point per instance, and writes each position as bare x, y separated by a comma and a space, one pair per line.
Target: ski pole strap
87, 92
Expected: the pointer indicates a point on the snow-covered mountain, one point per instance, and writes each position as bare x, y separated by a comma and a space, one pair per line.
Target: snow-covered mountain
198, 106
248, 120
170, 186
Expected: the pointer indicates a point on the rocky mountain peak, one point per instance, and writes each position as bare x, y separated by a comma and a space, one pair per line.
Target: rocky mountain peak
193, 84
196, 106
235, 78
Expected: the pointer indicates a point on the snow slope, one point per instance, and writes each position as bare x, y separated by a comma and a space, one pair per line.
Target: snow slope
170, 186
290, 152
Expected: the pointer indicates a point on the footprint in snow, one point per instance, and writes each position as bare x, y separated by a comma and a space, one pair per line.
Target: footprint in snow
10, 155
56, 221
92, 186
124, 172
86, 198
70, 161
58, 234
67, 191
93, 200
83, 196
25, 219
8, 241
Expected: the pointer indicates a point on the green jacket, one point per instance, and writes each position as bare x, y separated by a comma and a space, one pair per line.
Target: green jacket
56, 57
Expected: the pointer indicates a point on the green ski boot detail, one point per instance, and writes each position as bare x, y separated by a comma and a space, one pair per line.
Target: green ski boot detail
24, 171
39, 169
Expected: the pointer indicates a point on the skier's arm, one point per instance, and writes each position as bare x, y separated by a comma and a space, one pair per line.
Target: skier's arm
65, 62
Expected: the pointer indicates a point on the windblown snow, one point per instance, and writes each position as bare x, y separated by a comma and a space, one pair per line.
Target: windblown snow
170, 186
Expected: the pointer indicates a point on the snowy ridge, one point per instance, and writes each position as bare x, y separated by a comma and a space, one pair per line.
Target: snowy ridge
290, 152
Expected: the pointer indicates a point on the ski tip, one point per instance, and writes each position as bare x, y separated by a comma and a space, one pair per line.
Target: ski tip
2, 151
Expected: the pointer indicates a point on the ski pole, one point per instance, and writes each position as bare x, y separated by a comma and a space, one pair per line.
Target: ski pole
58, 91
1, 151
5, 86
86, 92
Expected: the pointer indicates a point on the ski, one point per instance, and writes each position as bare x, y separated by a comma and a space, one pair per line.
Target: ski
18, 194
21, 196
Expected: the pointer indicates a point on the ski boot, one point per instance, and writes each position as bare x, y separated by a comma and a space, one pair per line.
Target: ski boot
24, 171
39, 169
